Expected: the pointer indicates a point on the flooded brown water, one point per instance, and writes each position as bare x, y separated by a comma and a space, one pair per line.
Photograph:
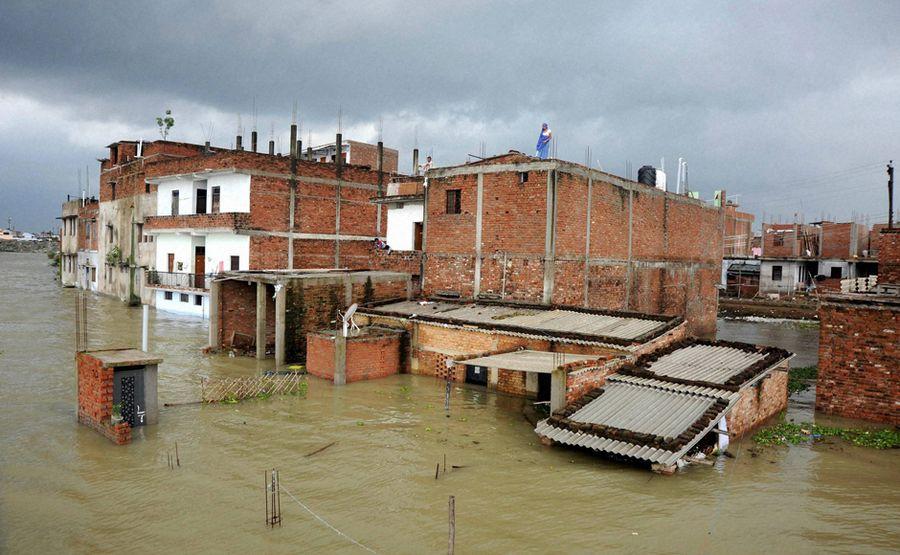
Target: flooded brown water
64, 488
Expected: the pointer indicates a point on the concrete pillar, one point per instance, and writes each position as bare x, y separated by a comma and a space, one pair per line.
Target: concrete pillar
215, 290
280, 309
550, 239
479, 201
340, 359
557, 390
260, 320
493, 378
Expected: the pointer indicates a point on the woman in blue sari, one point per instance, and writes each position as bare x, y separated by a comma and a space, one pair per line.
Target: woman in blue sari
543, 143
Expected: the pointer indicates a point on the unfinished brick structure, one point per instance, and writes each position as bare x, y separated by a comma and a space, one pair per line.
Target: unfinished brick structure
243, 316
371, 353
516, 228
859, 345
738, 231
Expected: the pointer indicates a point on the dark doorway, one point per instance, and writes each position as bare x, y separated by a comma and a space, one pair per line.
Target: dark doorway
201, 201
477, 375
128, 393
544, 381
417, 236
199, 266
171, 258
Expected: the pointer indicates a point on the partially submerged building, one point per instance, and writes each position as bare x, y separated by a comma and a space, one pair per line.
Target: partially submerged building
569, 349
516, 228
274, 310
669, 402
78, 232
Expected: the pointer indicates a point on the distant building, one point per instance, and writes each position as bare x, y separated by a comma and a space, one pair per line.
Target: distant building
357, 153
79, 259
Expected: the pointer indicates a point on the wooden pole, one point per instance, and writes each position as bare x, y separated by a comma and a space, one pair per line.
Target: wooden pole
452, 517
437, 470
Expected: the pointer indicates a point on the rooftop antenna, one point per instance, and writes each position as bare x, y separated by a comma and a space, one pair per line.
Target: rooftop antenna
347, 322
253, 113
380, 128
272, 131
294, 112
340, 119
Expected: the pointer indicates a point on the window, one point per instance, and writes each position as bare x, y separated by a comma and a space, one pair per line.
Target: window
174, 203
198, 300
235, 263
836, 272
216, 195
167, 295
109, 233
94, 275
139, 231
778, 240
112, 188
146, 186
185, 297
523, 177
87, 230
454, 197
776, 273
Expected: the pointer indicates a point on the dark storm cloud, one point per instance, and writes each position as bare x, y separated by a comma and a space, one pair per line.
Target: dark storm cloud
753, 95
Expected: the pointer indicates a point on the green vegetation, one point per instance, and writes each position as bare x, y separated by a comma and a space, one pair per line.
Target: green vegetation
790, 433
230, 399
165, 123
798, 378
114, 256
117, 410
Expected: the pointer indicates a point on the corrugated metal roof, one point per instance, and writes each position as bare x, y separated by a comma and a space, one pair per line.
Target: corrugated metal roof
552, 320
528, 361
705, 363
644, 406
644, 409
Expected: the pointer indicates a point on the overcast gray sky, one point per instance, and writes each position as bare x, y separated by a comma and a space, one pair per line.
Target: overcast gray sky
793, 106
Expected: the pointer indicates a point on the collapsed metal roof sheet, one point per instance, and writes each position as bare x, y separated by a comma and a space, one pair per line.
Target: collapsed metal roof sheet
636, 418
528, 361
588, 324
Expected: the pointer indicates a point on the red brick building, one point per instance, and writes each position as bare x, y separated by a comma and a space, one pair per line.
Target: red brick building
517, 228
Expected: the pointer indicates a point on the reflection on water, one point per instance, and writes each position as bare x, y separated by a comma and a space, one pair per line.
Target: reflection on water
64, 488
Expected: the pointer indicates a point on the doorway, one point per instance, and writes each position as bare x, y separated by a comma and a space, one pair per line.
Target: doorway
201, 201
477, 375
128, 393
171, 260
199, 266
417, 236
544, 382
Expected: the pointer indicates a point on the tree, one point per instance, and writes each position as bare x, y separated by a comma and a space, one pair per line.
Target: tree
165, 123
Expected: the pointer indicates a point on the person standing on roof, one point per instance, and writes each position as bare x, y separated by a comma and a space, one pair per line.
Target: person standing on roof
543, 142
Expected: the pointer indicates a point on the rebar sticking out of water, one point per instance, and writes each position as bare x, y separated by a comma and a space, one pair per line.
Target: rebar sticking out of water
273, 499
451, 541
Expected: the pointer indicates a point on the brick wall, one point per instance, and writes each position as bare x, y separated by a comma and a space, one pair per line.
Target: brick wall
889, 256
859, 346
371, 355
222, 220
511, 382
759, 402
582, 380
95, 399
676, 244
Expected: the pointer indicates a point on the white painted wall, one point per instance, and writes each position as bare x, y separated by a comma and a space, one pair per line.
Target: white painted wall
177, 306
790, 276
182, 245
825, 267
220, 247
234, 193
400, 225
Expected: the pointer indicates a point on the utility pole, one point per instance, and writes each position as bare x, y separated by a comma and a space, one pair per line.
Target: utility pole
890, 172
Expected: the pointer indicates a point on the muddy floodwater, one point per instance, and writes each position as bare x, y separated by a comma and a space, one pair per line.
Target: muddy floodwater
64, 488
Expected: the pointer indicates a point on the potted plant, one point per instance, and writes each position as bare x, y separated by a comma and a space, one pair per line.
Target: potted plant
116, 414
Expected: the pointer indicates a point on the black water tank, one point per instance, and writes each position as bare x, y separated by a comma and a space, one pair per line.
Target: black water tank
647, 175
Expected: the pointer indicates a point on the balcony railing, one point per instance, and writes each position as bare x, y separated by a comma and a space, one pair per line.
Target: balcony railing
178, 280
